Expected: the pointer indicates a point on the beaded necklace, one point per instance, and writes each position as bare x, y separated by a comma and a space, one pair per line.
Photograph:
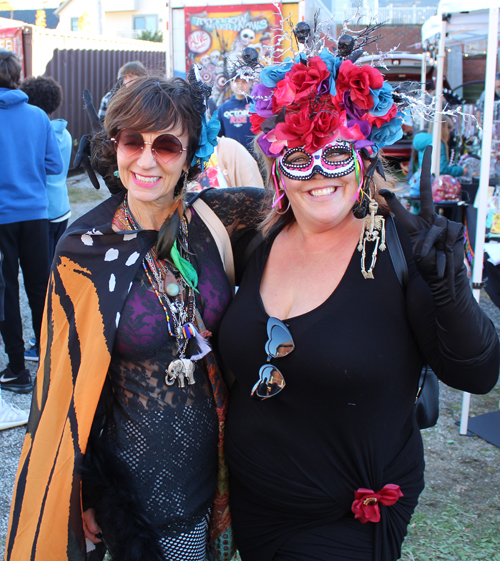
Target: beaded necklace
180, 315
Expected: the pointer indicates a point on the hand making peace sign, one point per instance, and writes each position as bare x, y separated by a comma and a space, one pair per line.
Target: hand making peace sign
437, 242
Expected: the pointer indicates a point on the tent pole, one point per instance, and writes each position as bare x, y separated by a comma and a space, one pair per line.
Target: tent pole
436, 137
484, 178
423, 80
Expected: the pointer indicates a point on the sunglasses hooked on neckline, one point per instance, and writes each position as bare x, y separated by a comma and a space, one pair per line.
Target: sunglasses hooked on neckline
166, 147
279, 344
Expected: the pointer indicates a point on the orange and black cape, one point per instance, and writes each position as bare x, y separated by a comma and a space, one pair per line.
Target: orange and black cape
91, 276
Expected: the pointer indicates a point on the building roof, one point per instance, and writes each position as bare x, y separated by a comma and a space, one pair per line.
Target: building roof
29, 16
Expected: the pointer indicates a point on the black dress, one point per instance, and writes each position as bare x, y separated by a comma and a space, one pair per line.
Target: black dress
345, 419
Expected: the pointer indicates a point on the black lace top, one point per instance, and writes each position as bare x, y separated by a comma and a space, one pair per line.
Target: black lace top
165, 436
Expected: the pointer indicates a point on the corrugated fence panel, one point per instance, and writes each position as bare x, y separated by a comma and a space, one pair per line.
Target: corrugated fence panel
95, 70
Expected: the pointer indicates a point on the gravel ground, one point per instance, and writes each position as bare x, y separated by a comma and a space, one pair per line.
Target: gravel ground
454, 463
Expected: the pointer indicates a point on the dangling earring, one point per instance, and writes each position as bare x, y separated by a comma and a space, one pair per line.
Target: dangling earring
178, 192
286, 209
360, 208
279, 192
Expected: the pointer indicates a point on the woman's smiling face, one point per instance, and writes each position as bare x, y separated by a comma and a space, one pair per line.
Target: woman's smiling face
321, 202
149, 180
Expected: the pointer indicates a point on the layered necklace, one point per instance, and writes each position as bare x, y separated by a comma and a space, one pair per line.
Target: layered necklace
182, 315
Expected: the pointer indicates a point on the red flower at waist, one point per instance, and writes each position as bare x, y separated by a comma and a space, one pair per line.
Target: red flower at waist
366, 501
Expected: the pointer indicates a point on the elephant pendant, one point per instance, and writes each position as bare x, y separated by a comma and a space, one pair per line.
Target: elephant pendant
182, 370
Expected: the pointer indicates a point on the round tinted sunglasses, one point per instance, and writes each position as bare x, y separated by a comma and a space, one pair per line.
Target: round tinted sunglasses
166, 147
279, 344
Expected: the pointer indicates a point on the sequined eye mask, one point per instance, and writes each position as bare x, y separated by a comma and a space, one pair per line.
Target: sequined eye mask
334, 160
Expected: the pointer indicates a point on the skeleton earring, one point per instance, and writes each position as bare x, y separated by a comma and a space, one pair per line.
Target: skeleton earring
373, 231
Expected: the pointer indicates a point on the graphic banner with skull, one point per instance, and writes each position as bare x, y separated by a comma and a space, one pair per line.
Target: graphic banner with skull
216, 36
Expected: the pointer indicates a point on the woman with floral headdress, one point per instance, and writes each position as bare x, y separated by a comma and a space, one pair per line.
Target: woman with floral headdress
124, 444
332, 323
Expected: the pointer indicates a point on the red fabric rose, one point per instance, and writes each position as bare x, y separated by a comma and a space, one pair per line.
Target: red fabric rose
379, 121
256, 121
284, 95
312, 131
307, 79
365, 505
358, 80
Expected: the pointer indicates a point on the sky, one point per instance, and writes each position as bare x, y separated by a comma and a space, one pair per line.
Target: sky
34, 4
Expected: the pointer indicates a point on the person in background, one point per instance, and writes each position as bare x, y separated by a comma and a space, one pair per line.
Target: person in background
29, 153
233, 114
231, 165
480, 101
47, 94
126, 75
10, 415
423, 139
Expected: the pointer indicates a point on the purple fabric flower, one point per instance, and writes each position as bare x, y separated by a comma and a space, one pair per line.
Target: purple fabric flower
265, 146
353, 111
324, 87
262, 101
364, 126
358, 144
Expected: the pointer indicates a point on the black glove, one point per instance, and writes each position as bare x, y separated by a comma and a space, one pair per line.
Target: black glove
467, 341
438, 243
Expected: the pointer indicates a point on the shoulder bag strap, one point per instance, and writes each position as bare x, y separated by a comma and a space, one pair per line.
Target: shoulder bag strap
220, 235
396, 251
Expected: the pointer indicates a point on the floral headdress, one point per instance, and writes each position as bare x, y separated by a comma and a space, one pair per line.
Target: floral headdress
319, 97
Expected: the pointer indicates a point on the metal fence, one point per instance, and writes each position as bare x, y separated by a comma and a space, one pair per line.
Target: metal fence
95, 71
391, 15
81, 62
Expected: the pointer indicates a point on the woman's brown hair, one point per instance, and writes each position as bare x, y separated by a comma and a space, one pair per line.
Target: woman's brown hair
151, 104
277, 218
148, 104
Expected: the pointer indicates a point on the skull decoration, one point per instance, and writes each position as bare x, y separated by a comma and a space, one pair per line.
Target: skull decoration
345, 45
250, 56
247, 36
302, 31
215, 56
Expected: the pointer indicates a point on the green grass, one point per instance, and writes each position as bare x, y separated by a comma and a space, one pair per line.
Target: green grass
454, 534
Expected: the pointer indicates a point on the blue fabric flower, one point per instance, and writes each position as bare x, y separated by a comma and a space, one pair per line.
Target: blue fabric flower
271, 75
388, 133
208, 139
382, 100
333, 64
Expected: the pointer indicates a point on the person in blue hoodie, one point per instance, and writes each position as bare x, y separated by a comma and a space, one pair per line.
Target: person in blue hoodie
46, 93
29, 153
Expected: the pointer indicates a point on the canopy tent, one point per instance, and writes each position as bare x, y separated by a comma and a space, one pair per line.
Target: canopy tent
458, 22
